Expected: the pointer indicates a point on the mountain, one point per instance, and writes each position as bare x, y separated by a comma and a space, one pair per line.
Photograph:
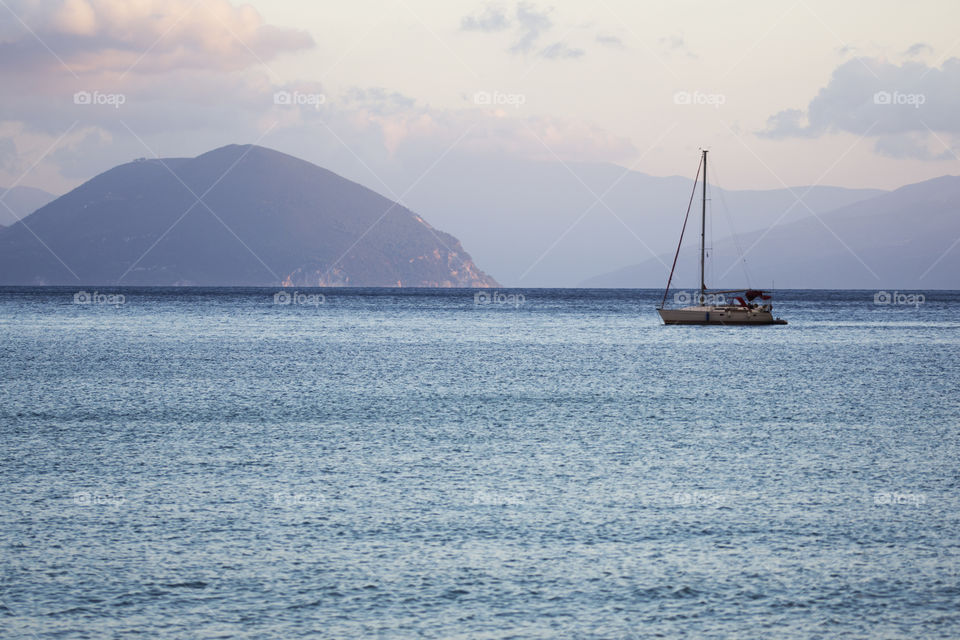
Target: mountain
21, 202
907, 239
238, 215
532, 223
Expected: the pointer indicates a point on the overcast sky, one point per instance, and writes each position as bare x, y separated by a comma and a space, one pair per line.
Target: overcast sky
858, 93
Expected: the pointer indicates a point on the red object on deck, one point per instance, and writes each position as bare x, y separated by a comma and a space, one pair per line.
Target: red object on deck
756, 293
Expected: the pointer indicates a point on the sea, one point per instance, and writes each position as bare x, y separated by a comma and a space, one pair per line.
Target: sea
516, 463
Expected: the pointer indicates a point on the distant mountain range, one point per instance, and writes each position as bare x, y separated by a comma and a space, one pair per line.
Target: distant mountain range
21, 202
908, 239
238, 215
538, 224
267, 218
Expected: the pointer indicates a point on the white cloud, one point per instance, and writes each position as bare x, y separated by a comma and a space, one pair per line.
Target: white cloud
609, 40
903, 107
193, 111
533, 23
403, 127
492, 18
913, 145
530, 24
918, 49
559, 50
97, 36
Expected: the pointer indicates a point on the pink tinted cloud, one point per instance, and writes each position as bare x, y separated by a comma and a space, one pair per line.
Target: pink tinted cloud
152, 36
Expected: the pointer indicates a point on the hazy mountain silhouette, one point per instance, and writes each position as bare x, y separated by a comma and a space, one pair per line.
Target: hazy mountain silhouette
21, 202
538, 224
908, 238
266, 218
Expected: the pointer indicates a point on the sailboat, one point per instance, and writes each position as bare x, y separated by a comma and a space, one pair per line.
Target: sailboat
750, 307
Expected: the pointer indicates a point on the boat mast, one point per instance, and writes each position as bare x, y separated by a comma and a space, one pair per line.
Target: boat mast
703, 231
686, 218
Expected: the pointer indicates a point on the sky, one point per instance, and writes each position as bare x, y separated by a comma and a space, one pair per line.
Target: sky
795, 92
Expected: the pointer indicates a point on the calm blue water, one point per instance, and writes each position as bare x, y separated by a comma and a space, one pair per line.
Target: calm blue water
407, 464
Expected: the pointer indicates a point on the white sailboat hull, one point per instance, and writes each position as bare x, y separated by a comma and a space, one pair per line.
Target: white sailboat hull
726, 315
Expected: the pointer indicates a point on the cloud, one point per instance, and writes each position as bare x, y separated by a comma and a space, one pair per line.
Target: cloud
533, 23
609, 40
672, 42
352, 133
493, 18
912, 145
179, 85
789, 123
428, 133
676, 45
197, 87
151, 35
900, 105
559, 50
188, 100
918, 49
389, 126
571, 141
529, 24
376, 99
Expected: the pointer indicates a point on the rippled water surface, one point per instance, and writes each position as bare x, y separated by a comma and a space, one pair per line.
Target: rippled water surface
406, 464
